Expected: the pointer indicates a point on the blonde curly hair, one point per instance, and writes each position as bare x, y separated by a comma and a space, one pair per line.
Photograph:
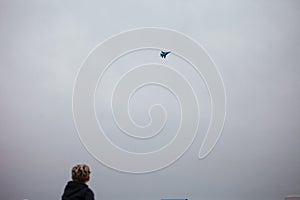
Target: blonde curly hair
80, 172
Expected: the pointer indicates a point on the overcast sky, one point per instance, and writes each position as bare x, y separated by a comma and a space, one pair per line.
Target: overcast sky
255, 45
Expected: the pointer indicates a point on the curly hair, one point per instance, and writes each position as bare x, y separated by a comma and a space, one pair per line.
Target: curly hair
80, 172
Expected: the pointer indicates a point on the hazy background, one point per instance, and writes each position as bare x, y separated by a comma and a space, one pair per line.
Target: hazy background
256, 46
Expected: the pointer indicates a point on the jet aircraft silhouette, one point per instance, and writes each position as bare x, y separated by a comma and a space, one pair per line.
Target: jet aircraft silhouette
163, 54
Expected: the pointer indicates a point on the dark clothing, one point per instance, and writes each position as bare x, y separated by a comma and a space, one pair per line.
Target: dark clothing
76, 190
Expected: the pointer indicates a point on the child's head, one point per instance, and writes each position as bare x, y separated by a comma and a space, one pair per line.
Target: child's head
81, 173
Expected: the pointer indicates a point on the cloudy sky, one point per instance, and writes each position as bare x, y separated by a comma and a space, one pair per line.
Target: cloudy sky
255, 45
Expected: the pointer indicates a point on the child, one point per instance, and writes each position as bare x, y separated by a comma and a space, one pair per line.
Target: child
77, 189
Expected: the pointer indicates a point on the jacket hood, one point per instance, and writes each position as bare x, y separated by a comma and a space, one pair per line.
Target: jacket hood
75, 190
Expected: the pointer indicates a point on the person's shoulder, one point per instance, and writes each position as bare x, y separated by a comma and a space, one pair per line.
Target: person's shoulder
89, 194
89, 190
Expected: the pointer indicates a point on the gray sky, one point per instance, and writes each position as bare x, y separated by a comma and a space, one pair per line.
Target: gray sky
255, 45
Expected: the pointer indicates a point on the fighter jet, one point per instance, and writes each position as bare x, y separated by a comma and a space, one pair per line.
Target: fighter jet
163, 54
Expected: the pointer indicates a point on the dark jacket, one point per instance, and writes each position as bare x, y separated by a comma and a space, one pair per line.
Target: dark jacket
75, 190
